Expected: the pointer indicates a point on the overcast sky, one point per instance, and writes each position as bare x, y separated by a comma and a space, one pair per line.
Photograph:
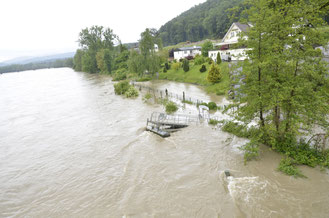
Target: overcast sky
37, 27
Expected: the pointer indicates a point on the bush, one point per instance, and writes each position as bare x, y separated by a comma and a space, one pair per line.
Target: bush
187, 102
203, 68
147, 97
189, 57
218, 58
186, 65
240, 130
209, 61
213, 122
167, 66
198, 60
121, 87
120, 74
212, 106
176, 66
165, 70
251, 151
288, 166
171, 107
214, 75
131, 92
143, 79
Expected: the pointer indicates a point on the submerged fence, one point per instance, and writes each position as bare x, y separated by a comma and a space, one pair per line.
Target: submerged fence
167, 94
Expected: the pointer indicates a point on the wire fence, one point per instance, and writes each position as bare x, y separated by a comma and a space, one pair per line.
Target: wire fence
167, 94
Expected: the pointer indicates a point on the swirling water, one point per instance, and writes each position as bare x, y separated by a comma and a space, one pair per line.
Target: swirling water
69, 147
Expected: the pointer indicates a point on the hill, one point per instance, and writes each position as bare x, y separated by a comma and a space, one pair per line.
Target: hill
27, 60
207, 20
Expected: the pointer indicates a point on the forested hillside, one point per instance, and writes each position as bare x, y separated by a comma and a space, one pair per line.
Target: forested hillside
209, 20
206, 20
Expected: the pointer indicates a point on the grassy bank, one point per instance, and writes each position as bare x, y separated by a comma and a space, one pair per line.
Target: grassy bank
194, 76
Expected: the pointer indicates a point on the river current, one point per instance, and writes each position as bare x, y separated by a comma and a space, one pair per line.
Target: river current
69, 147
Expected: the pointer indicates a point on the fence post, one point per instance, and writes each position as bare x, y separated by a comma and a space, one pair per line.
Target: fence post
166, 93
183, 96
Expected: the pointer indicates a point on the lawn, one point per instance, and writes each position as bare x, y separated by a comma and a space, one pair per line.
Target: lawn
194, 76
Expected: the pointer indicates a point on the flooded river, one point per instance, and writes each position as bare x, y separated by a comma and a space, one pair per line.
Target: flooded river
69, 147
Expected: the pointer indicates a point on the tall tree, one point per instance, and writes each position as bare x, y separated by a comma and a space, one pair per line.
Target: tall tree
99, 42
286, 81
206, 47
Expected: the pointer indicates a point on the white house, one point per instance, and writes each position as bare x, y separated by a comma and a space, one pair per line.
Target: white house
226, 48
187, 51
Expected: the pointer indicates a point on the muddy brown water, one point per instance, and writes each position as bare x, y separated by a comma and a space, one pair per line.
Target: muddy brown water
69, 147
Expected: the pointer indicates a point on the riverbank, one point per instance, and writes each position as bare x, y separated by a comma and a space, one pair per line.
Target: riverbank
194, 76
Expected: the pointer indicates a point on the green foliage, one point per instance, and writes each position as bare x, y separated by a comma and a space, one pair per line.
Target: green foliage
203, 68
199, 59
176, 66
194, 76
288, 166
121, 87
104, 60
285, 80
143, 79
167, 66
147, 97
68, 62
218, 59
89, 63
214, 75
240, 130
164, 70
212, 105
186, 65
251, 151
209, 61
208, 20
187, 102
213, 122
136, 63
121, 60
77, 60
97, 44
171, 107
120, 74
131, 92
206, 47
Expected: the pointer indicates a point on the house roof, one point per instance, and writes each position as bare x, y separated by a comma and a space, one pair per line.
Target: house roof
190, 48
242, 27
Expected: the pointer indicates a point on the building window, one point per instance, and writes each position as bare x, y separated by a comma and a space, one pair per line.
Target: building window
185, 52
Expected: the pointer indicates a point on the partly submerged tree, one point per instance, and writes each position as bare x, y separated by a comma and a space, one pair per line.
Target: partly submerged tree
285, 81
95, 41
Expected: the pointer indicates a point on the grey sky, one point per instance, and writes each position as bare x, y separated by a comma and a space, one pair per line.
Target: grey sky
35, 27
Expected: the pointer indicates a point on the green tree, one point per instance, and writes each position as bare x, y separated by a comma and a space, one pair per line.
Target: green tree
96, 41
136, 63
77, 60
214, 75
186, 65
286, 80
206, 47
218, 59
104, 60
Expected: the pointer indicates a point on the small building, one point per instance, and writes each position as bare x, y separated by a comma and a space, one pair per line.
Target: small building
186, 52
227, 47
